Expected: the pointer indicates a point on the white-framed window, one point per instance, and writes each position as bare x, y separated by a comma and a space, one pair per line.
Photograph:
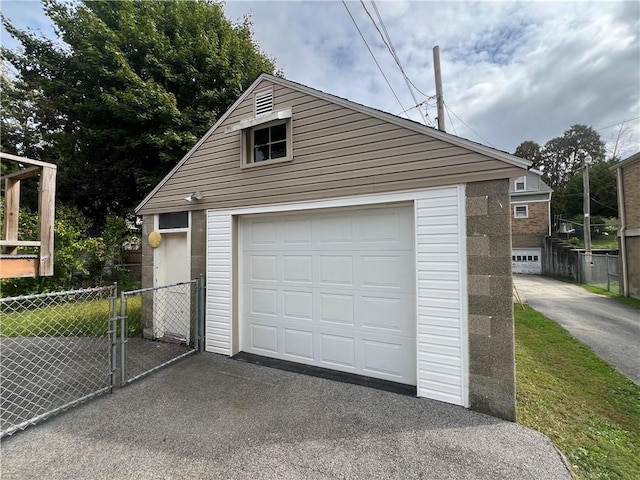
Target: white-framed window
520, 184
521, 211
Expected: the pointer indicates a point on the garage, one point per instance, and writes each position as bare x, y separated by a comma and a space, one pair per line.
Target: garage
340, 237
526, 261
332, 289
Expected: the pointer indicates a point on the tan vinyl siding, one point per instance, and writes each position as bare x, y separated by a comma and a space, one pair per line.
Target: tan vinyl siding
337, 152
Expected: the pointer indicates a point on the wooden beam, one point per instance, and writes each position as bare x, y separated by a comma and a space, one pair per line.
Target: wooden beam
18, 267
11, 212
19, 243
26, 161
22, 174
46, 218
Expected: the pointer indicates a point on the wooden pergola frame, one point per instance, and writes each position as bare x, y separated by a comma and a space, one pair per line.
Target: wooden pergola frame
12, 263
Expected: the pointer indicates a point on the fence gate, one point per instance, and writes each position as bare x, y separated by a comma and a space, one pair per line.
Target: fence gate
55, 353
159, 325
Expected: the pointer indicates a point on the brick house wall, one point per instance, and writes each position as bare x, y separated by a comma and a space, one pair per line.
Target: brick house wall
631, 182
536, 224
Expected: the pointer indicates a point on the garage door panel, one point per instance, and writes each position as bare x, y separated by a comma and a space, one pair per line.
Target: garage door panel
298, 345
332, 230
337, 308
297, 305
297, 232
337, 350
336, 270
384, 358
344, 301
389, 314
297, 269
263, 268
264, 338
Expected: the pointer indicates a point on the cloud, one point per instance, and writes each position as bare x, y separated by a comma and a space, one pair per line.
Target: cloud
512, 71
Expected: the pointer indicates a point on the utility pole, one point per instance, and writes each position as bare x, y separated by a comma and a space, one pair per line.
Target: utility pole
439, 97
586, 202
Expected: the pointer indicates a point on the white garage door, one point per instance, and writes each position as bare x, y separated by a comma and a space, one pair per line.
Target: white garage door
333, 289
526, 261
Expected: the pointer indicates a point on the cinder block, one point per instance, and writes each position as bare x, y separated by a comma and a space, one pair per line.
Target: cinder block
479, 246
476, 206
493, 397
500, 246
499, 203
488, 225
479, 285
480, 325
501, 286
488, 188
489, 266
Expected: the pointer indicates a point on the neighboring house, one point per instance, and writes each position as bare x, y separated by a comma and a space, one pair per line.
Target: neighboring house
14, 262
530, 221
628, 178
342, 237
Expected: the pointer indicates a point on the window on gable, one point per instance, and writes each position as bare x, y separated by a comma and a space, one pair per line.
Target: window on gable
521, 211
267, 142
520, 184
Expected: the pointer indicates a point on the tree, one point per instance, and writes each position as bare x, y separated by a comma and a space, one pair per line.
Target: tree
602, 190
529, 150
131, 89
561, 157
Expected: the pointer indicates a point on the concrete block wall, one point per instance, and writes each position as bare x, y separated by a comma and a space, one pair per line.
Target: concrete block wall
490, 287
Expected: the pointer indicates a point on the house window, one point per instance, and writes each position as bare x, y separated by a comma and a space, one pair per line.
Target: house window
521, 211
168, 221
520, 184
267, 143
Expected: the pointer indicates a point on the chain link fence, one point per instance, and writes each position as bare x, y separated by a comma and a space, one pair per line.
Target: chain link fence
159, 325
600, 270
55, 353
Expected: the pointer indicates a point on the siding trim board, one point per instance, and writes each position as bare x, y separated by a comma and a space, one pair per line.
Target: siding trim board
441, 299
319, 103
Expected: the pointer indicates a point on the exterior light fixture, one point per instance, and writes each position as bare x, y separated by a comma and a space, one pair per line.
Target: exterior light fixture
194, 197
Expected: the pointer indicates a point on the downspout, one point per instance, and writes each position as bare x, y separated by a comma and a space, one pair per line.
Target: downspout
622, 232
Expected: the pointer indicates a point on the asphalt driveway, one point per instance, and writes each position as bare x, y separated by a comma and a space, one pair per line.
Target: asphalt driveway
212, 417
609, 327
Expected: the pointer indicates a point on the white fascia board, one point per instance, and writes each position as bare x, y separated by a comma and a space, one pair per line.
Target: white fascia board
351, 201
224, 116
401, 122
265, 118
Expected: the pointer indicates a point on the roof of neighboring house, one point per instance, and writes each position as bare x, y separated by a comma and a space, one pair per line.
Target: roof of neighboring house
633, 158
384, 116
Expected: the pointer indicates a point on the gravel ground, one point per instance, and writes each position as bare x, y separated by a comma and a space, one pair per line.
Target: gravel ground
209, 416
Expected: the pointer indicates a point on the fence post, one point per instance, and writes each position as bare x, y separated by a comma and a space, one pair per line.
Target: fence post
606, 257
123, 339
113, 334
201, 311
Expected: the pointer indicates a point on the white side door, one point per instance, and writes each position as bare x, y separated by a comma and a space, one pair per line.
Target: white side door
171, 305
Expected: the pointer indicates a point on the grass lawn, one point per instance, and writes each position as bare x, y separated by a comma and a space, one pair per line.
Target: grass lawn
587, 409
634, 302
66, 319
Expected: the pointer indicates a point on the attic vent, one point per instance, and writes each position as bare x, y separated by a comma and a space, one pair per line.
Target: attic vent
264, 102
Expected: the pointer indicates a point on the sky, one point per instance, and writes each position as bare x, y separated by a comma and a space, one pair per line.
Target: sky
511, 70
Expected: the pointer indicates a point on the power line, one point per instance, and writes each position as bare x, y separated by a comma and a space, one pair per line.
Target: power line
616, 124
391, 49
374, 57
464, 123
450, 121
